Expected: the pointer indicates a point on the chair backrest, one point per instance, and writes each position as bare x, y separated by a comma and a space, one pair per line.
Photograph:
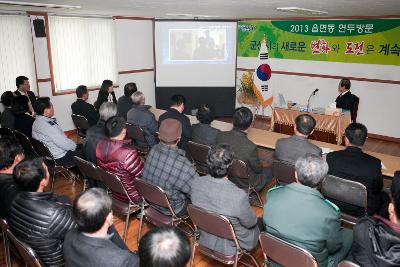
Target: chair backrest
26, 252
238, 169
283, 172
199, 153
4, 131
3, 225
152, 194
80, 122
212, 223
87, 168
347, 264
42, 149
135, 132
24, 141
111, 181
284, 253
347, 191
355, 109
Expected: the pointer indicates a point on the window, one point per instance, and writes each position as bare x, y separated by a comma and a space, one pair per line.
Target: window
16, 51
83, 51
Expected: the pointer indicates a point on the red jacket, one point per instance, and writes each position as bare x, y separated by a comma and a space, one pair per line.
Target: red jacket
121, 159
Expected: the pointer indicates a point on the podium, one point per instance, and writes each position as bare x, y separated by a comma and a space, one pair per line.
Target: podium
328, 128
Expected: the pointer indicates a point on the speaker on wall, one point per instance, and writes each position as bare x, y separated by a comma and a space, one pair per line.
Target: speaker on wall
40, 30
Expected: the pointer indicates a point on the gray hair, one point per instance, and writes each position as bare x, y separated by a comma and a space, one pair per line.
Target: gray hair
311, 169
138, 98
107, 110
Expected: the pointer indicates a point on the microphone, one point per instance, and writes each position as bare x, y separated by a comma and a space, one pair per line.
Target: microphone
308, 102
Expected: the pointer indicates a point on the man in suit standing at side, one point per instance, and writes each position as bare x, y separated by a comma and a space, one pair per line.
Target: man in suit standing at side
355, 165
346, 100
24, 88
291, 148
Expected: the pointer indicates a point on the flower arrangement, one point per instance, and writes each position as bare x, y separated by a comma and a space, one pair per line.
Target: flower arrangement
246, 93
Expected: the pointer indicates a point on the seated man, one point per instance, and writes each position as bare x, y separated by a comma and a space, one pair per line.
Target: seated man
141, 116
215, 193
164, 246
176, 112
355, 165
7, 116
124, 103
245, 150
24, 88
299, 214
11, 153
346, 100
90, 244
376, 239
291, 148
39, 218
83, 108
203, 132
166, 166
46, 130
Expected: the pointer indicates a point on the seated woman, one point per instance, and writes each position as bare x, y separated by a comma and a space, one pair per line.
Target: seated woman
119, 157
106, 94
377, 239
23, 120
202, 132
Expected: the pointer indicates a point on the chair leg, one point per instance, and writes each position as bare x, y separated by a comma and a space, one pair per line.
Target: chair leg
127, 222
236, 259
193, 252
52, 181
253, 259
6, 251
141, 222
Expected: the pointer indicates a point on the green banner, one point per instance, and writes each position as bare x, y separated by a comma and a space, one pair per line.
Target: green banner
373, 41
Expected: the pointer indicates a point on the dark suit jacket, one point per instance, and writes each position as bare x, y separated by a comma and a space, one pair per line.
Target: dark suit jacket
346, 101
291, 148
23, 123
355, 165
244, 150
7, 118
31, 95
8, 191
80, 107
204, 134
124, 104
93, 135
82, 250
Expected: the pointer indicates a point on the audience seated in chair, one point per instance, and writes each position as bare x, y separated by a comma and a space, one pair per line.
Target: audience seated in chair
164, 246
40, 219
82, 107
166, 166
95, 241
119, 157
11, 153
23, 119
355, 165
377, 239
245, 150
106, 94
299, 214
141, 116
7, 116
24, 88
215, 193
46, 130
176, 112
291, 148
125, 102
203, 132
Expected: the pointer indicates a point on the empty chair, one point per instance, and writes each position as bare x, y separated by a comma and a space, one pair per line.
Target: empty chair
25, 143
347, 264
220, 226
199, 153
6, 247
81, 124
283, 172
284, 253
139, 140
113, 183
239, 169
346, 191
87, 169
26, 252
155, 197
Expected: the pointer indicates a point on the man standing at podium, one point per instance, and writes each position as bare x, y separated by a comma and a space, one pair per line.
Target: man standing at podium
346, 100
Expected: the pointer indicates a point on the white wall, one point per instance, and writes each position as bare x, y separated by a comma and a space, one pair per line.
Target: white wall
134, 52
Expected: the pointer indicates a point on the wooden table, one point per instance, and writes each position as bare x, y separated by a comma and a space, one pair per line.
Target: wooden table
328, 128
267, 139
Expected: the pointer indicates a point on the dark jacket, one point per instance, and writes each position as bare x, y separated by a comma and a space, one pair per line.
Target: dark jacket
8, 191
81, 107
204, 134
141, 116
186, 136
82, 250
103, 97
120, 158
124, 105
376, 243
40, 221
31, 95
244, 150
355, 165
7, 119
23, 124
346, 101
93, 135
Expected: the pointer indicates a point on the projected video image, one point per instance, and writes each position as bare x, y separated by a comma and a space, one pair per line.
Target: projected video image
197, 44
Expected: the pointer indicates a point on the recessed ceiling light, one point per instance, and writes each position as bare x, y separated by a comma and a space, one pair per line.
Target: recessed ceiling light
12, 3
300, 10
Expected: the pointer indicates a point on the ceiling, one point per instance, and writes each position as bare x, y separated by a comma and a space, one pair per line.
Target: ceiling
218, 9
